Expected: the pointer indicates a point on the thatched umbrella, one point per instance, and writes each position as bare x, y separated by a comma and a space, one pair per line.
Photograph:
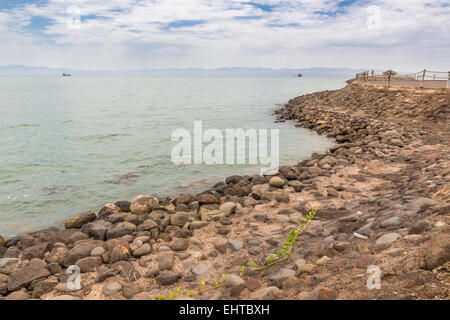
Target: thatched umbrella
390, 72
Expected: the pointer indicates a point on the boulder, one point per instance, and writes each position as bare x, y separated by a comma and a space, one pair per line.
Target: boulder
206, 198
119, 253
148, 225
80, 219
69, 236
419, 227
323, 261
233, 280
111, 288
423, 203
394, 221
235, 245
201, 270
437, 251
183, 199
198, 224
258, 190
166, 261
168, 277
57, 255
108, 209
180, 245
43, 287
387, 238
221, 246
281, 274
89, 264
228, 208
12, 252
36, 251
269, 293
97, 229
103, 274
120, 230
179, 219
234, 179
116, 217
143, 204
277, 196
123, 205
207, 215
142, 250
36, 269
276, 182
97, 252
327, 160
80, 251
8, 265
322, 293
130, 290
18, 295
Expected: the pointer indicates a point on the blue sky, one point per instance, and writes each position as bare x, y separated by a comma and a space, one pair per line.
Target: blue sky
138, 34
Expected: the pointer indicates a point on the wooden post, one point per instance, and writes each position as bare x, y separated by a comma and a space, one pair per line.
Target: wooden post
423, 78
448, 81
389, 79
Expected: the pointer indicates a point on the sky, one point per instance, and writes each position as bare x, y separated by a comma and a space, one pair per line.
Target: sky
406, 35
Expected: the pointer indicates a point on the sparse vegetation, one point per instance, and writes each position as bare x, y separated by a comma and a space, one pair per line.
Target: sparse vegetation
283, 255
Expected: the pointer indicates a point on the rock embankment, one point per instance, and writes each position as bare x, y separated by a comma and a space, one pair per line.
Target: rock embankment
383, 211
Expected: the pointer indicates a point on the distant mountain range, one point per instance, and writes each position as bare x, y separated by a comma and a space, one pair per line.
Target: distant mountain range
317, 72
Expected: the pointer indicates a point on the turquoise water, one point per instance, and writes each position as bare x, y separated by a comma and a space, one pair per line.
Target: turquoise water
72, 144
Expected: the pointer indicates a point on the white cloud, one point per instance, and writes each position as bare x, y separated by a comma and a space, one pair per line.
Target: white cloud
131, 34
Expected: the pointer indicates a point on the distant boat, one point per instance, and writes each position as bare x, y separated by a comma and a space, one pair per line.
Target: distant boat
299, 75
66, 74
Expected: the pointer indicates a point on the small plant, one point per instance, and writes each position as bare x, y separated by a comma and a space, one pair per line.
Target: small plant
290, 241
287, 247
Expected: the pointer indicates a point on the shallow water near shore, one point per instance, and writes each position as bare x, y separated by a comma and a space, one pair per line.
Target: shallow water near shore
72, 144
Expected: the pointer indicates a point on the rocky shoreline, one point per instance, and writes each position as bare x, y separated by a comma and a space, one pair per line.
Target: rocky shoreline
383, 197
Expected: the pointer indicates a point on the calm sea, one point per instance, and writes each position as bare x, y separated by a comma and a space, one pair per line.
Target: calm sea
72, 144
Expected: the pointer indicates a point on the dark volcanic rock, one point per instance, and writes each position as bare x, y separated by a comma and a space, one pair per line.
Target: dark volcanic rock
89, 264
36, 251
437, 251
79, 220
168, 277
97, 229
36, 269
124, 206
